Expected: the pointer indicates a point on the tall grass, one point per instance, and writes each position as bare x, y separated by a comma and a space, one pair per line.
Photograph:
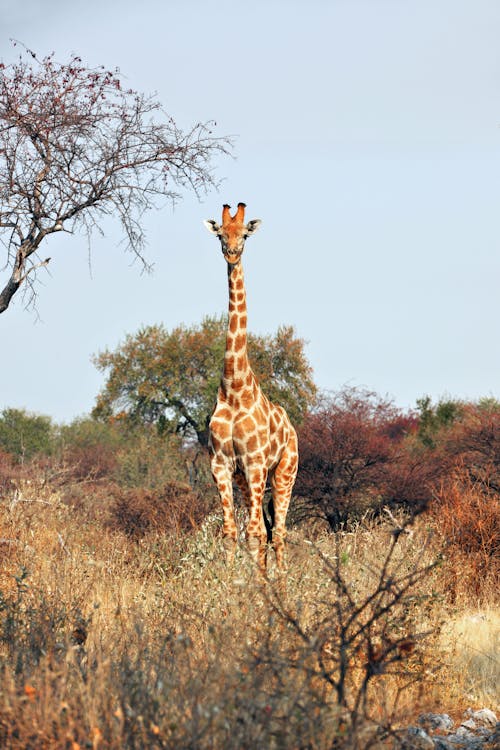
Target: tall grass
109, 640
472, 640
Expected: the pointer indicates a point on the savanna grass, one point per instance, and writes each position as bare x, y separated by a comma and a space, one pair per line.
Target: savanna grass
109, 642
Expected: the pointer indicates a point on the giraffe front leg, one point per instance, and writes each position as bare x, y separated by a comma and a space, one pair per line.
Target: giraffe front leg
256, 529
224, 481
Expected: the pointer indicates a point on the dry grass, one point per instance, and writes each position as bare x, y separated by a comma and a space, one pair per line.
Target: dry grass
472, 640
106, 642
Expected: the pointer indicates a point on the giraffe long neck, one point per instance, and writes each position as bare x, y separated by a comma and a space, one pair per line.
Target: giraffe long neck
236, 364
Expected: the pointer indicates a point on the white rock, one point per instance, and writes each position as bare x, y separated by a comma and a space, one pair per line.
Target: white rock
441, 722
484, 717
468, 725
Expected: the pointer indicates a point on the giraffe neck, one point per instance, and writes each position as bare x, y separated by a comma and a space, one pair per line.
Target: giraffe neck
236, 364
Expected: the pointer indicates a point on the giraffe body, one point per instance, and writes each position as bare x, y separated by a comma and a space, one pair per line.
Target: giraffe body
251, 439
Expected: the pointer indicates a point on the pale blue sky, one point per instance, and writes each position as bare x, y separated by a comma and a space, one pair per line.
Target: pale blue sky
368, 142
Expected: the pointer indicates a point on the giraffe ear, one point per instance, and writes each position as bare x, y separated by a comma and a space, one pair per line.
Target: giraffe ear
212, 226
252, 227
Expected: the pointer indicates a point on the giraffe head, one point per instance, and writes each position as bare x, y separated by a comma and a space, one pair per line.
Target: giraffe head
233, 232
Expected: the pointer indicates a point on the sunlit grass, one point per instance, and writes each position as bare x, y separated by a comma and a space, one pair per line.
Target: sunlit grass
108, 642
472, 639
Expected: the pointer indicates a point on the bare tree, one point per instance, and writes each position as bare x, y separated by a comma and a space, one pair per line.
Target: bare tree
74, 147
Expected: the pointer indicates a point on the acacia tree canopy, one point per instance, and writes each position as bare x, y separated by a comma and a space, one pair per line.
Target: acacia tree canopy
171, 378
74, 147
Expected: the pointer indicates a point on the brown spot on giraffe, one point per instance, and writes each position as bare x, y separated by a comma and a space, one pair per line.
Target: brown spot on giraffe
222, 429
260, 443
247, 399
247, 425
252, 443
240, 341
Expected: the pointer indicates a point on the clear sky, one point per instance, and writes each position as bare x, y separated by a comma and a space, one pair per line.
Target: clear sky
368, 142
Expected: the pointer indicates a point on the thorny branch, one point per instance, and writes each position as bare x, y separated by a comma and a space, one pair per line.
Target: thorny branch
356, 638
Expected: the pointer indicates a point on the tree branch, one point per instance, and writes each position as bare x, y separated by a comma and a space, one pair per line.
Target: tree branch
75, 146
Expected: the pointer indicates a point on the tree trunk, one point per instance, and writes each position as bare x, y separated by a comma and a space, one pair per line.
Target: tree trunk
8, 292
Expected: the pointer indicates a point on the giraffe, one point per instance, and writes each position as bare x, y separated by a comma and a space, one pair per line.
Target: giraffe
251, 439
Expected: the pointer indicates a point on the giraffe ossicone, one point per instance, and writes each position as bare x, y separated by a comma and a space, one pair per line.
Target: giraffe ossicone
252, 440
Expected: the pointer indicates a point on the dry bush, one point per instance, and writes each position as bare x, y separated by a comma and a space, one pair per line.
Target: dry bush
408, 481
91, 462
360, 644
8, 540
6, 472
147, 459
473, 444
358, 455
467, 514
138, 511
344, 445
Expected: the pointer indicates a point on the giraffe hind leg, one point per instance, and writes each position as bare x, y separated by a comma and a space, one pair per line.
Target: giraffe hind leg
241, 481
268, 514
255, 543
282, 483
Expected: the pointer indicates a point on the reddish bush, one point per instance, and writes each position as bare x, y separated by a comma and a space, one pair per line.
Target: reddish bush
174, 508
349, 449
409, 480
467, 514
473, 443
359, 453
466, 504
91, 462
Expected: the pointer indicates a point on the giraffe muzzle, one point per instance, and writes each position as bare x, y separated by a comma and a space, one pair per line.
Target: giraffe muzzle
232, 256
